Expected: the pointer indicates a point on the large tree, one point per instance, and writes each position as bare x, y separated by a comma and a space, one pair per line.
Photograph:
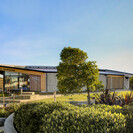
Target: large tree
75, 72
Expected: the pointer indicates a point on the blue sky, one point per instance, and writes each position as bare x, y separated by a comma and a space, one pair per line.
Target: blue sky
33, 32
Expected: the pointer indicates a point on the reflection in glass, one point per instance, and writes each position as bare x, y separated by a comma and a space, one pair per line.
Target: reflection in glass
15, 81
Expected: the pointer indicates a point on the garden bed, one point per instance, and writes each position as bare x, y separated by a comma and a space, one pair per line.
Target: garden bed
67, 118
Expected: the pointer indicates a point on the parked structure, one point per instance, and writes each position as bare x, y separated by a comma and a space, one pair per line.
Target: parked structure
43, 78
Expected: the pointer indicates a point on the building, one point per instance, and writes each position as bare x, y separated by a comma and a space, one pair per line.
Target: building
43, 78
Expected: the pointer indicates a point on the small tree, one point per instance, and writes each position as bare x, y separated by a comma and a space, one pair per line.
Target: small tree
69, 70
131, 82
75, 72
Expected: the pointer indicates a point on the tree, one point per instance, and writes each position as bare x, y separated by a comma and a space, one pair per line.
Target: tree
131, 82
75, 72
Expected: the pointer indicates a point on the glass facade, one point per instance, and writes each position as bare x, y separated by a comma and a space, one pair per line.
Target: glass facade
16, 81
1, 82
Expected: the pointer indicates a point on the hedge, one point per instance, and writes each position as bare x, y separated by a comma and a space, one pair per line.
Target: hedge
127, 111
67, 118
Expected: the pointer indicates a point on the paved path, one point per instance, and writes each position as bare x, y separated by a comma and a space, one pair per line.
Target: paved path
8, 125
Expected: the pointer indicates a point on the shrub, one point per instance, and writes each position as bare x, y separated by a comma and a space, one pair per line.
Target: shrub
128, 112
127, 98
108, 108
5, 112
32, 114
131, 82
67, 118
113, 98
108, 98
82, 120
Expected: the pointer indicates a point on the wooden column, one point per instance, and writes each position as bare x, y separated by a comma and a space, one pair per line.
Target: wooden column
43, 81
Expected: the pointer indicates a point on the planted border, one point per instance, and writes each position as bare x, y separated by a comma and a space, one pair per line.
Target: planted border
62, 118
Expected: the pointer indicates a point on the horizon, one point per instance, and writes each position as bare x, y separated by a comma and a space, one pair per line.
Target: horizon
35, 32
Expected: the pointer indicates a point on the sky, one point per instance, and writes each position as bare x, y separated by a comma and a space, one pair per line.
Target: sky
33, 32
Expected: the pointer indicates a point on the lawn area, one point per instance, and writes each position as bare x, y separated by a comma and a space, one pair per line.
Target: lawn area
76, 97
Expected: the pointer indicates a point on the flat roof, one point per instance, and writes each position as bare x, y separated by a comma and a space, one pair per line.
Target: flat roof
31, 69
52, 69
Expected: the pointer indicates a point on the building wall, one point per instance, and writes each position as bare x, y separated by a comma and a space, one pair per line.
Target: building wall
126, 83
117, 82
35, 83
51, 82
103, 78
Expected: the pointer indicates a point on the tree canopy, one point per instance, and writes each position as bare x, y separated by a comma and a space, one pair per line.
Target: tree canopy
75, 72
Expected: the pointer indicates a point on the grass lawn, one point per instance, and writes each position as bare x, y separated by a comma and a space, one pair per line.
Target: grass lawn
75, 97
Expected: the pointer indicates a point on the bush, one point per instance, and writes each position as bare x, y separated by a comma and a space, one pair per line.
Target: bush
5, 112
67, 118
127, 98
108, 98
128, 112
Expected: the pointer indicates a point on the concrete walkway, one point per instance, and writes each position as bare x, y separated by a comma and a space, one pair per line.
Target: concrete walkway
8, 125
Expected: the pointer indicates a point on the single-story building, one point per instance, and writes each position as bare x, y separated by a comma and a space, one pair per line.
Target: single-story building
43, 78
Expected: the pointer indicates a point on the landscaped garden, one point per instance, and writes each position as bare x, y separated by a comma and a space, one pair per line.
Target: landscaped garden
61, 117
79, 97
66, 118
111, 112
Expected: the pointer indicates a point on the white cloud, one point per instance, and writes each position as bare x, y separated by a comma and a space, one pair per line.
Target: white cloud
122, 61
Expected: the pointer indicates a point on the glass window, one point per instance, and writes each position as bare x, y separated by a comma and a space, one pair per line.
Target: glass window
15, 81
24, 81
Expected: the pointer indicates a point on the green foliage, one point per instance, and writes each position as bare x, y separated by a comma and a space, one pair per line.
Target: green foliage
99, 86
131, 82
69, 86
5, 112
32, 114
75, 72
73, 56
66, 118
127, 98
108, 98
5, 94
89, 74
114, 98
127, 111
69, 70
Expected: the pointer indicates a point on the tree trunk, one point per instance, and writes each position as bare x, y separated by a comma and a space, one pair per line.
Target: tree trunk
88, 96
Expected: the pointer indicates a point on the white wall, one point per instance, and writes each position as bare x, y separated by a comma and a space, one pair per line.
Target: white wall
51, 82
126, 83
103, 79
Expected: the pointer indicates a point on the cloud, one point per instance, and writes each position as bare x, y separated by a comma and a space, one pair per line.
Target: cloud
122, 61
